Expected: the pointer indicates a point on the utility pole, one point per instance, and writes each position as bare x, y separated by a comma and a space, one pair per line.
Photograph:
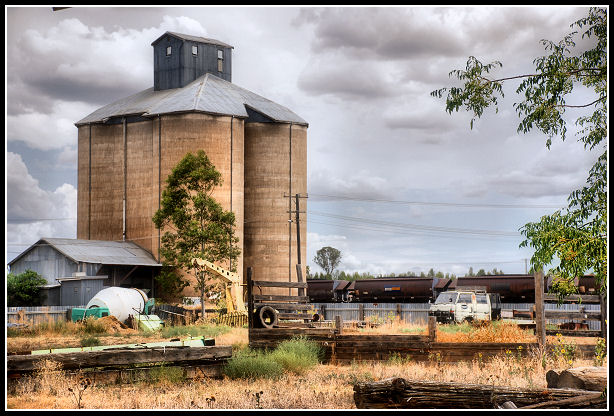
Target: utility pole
299, 270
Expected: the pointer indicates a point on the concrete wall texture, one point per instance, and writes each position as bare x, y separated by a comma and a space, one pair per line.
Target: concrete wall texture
260, 163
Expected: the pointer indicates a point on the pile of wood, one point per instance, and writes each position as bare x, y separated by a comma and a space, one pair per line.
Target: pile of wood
412, 394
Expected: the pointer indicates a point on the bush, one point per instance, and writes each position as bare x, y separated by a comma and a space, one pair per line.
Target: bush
25, 289
252, 364
90, 342
92, 326
296, 355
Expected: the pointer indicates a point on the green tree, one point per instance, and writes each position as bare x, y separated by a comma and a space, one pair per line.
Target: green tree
328, 258
576, 236
24, 289
197, 225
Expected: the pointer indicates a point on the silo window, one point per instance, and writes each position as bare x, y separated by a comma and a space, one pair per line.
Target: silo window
220, 60
194, 50
168, 50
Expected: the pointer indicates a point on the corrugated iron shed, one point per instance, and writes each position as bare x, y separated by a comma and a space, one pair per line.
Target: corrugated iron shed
98, 252
207, 94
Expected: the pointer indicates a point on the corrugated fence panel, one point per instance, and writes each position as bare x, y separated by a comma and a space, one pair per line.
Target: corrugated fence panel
35, 315
417, 313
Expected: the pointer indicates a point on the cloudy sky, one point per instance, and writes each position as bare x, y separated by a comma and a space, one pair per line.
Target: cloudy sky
394, 182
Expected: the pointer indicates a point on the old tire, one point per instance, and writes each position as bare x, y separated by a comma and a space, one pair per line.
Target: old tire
266, 317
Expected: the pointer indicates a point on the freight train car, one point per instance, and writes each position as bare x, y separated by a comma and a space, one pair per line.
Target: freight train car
512, 288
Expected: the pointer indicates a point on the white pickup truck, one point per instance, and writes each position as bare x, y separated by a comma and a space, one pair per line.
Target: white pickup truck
466, 305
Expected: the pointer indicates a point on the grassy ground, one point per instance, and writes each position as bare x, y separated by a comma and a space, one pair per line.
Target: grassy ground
301, 384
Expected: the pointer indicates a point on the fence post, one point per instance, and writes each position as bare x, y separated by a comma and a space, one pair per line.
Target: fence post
339, 324
323, 311
361, 312
399, 311
604, 315
250, 299
432, 329
540, 322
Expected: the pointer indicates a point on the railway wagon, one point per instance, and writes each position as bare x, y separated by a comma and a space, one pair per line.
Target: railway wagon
512, 288
394, 289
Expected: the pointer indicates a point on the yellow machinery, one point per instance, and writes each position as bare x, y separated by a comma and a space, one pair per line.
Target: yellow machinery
237, 312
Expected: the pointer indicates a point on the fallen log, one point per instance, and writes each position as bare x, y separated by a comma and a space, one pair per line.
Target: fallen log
587, 401
583, 378
119, 357
412, 394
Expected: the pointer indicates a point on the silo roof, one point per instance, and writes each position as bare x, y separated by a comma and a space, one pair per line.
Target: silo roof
98, 251
208, 94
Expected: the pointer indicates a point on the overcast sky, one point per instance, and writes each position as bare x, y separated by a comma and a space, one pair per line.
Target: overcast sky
413, 186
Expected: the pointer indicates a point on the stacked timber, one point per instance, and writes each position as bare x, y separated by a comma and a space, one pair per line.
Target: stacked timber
412, 394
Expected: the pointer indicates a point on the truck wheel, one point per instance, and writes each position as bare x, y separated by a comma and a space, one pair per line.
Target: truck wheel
266, 317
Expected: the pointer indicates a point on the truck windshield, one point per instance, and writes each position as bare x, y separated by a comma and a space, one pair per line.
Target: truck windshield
446, 298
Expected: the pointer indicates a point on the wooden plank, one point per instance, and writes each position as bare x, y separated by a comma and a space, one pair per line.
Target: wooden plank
265, 283
286, 306
303, 299
383, 338
585, 315
575, 333
288, 332
283, 315
572, 298
108, 358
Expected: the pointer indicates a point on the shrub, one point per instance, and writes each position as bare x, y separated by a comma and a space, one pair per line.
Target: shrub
297, 354
24, 289
89, 342
92, 326
252, 364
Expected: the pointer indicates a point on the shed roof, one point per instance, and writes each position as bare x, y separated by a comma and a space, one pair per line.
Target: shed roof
208, 94
98, 251
193, 39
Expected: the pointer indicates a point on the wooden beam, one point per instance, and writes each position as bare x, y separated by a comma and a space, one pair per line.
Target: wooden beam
108, 358
281, 298
540, 321
572, 298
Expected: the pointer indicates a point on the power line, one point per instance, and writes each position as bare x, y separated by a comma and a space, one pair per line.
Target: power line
452, 204
417, 226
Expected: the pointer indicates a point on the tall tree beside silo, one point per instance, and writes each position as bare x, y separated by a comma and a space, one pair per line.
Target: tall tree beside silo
575, 237
197, 225
328, 258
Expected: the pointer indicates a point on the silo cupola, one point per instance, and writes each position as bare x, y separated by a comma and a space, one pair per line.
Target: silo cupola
179, 59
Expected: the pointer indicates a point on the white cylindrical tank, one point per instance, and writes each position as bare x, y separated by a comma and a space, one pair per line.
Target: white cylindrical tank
120, 301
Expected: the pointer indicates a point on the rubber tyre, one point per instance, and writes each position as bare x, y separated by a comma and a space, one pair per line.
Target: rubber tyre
266, 317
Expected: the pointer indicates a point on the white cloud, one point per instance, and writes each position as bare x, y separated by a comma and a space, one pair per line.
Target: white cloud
33, 213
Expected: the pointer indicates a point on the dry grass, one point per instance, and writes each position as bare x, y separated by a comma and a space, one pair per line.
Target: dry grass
325, 386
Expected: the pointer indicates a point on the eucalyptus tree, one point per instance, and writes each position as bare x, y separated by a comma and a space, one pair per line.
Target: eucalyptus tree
576, 236
195, 224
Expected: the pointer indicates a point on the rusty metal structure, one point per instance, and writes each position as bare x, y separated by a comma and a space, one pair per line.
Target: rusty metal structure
127, 149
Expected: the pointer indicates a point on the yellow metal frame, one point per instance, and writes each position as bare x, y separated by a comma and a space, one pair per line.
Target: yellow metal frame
232, 280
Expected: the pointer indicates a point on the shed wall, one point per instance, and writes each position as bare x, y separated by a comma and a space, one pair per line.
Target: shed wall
47, 262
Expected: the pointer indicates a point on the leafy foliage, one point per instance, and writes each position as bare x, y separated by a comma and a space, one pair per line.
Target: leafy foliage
196, 224
25, 289
576, 236
328, 258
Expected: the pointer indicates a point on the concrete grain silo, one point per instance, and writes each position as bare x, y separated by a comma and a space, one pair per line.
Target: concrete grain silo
127, 149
